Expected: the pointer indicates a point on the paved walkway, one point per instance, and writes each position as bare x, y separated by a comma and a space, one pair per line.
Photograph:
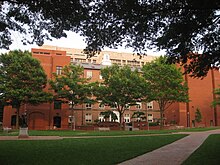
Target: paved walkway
171, 154
174, 153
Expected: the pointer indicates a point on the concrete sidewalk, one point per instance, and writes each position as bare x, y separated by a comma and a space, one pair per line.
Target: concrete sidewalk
31, 138
174, 153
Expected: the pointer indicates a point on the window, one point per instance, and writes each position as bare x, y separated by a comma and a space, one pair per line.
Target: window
88, 105
89, 74
70, 105
88, 118
71, 60
150, 117
57, 104
101, 118
127, 106
58, 54
100, 77
127, 118
150, 105
59, 70
138, 105
101, 106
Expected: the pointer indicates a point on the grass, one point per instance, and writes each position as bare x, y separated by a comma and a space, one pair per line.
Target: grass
207, 153
89, 151
102, 133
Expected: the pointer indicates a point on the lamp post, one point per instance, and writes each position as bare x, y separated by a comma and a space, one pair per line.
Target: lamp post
73, 127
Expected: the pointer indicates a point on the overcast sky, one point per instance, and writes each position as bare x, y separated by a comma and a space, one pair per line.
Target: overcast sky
73, 40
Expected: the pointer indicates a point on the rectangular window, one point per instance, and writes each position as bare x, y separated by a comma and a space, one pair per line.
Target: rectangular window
70, 105
127, 106
89, 74
127, 118
59, 70
57, 104
101, 106
71, 60
138, 105
150, 117
88, 105
88, 118
100, 77
150, 105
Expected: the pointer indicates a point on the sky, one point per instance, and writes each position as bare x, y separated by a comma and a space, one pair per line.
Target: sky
73, 40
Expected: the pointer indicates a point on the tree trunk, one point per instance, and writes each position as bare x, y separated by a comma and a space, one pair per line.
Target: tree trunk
17, 117
161, 119
120, 120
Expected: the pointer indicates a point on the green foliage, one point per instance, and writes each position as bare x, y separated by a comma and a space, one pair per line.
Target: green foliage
198, 116
166, 84
138, 114
22, 80
154, 124
71, 86
41, 19
107, 114
217, 99
121, 86
179, 27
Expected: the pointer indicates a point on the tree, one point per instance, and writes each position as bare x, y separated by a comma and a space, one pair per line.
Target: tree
41, 19
180, 27
22, 80
217, 98
198, 116
120, 86
107, 114
72, 87
166, 84
138, 115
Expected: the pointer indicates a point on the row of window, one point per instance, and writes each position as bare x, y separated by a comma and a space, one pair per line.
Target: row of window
127, 118
58, 104
47, 53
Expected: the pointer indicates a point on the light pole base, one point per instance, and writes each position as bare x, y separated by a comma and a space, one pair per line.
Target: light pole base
23, 133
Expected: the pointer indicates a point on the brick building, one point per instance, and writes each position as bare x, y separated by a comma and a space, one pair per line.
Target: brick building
58, 115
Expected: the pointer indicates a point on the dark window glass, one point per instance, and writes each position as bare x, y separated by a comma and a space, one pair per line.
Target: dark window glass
57, 104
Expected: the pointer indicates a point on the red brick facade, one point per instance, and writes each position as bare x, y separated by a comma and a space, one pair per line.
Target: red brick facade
45, 116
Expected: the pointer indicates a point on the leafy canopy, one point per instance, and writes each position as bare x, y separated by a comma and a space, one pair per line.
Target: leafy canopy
178, 26
121, 86
166, 84
71, 86
22, 80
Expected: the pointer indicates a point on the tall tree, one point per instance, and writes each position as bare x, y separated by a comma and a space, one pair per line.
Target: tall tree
178, 26
121, 86
22, 80
40, 19
198, 116
166, 84
72, 87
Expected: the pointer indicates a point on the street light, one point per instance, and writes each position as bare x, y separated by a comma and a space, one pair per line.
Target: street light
72, 121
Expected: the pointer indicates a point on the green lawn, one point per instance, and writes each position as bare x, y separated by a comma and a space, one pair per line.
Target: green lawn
207, 154
89, 151
102, 133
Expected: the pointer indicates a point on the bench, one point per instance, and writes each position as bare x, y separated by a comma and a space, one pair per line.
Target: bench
103, 129
6, 129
